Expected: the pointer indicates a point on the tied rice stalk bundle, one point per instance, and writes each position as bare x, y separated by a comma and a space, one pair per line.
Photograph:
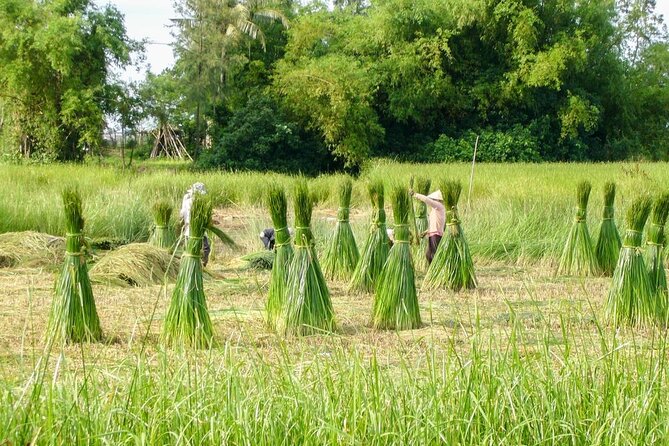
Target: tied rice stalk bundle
608, 245
422, 186
187, 322
259, 260
136, 264
396, 302
31, 249
278, 209
578, 256
631, 300
163, 235
655, 246
341, 254
376, 247
307, 309
74, 317
452, 266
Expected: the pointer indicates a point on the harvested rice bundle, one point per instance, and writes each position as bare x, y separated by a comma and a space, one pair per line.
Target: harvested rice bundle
30, 248
422, 186
656, 243
631, 300
278, 209
341, 254
307, 308
187, 321
377, 245
259, 260
608, 245
578, 256
74, 317
452, 266
136, 264
162, 235
395, 302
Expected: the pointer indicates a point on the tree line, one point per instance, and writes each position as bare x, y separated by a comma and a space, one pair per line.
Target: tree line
289, 86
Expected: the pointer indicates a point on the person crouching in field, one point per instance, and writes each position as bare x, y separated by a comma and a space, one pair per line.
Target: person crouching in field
436, 220
186, 204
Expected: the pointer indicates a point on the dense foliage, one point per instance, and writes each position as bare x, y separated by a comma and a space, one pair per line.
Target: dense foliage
56, 57
276, 84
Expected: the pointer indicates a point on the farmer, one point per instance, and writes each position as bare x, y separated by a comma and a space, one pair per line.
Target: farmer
436, 220
197, 188
267, 237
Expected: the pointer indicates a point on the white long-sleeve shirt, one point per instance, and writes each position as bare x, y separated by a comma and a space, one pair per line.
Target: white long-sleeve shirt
437, 216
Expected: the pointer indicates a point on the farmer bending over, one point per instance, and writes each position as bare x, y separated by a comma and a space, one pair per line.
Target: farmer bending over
436, 220
186, 204
267, 237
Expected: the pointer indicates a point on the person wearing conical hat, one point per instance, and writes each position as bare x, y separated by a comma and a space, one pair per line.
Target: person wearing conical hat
186, 204
436, 221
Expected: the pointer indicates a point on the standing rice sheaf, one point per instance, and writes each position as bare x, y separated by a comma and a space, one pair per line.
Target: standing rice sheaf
655, 246
376, 247
278, 208
578, 257
162, 235
452, 266
74, 317
187, 322
341, 254
308, 308
608, 245
396, 302
422, 186
631, 300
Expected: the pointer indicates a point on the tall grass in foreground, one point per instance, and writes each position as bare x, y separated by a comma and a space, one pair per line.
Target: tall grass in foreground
341, 254
396, 301
452, 266
608, 244
308, 308
578, 257
278, 209
631, 299
73, 313
377, 246
491, 392
656, 245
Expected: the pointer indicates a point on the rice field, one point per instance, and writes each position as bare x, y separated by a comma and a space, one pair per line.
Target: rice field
528, 357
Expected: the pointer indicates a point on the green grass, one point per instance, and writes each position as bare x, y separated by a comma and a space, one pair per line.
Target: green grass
527, 358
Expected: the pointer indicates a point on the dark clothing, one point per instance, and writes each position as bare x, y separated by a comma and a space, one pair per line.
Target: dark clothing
206, 248
267, 237
432, 245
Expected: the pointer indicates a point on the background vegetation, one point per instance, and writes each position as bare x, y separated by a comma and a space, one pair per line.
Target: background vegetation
262, 84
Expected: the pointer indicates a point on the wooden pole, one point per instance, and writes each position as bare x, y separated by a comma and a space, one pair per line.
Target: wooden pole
471, 176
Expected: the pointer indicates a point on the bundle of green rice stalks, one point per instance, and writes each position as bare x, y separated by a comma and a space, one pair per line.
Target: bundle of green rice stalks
631, 300
30, 249
578, 256
452, 266
74, 317
376, 247
341, 254
307, 307
162, 234
136, 264
187, 321
259, 260
395, 301
608, 242
422, 186
278, 209
656, 243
